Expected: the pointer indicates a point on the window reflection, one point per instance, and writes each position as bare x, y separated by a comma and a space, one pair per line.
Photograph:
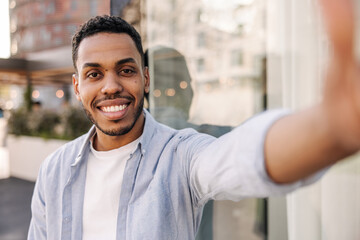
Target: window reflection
223, 45
207, 66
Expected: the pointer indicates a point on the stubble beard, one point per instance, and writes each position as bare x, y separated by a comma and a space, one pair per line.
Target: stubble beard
122, 130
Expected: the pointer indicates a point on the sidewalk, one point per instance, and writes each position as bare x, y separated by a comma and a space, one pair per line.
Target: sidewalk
15, 214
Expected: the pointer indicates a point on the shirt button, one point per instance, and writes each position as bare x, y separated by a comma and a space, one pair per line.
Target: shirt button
67, 219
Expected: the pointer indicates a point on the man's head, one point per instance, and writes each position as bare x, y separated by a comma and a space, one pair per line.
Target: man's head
104, 24
111, 79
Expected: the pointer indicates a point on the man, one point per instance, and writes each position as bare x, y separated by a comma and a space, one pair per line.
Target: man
133, 178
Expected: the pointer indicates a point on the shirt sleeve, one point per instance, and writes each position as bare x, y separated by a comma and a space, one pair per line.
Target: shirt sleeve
37, 229
232, 167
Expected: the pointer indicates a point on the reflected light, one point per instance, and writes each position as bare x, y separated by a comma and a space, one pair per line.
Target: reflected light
12, 4
59, 93
170, 92
208, 87
35, 94
9, 105
223, 80
183, 84
157, 93
4, 27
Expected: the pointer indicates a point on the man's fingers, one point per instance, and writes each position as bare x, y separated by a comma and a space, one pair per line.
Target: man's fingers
339, 18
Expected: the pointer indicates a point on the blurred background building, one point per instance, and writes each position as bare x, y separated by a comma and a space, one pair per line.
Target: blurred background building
228, 60
40, 48
40, 26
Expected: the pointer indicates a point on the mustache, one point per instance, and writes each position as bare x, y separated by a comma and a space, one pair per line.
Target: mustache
111, 97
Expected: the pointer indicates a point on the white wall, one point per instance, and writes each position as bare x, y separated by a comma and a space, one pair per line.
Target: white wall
4, 153
27, 154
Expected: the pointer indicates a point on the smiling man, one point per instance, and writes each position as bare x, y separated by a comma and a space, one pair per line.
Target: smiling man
130, 177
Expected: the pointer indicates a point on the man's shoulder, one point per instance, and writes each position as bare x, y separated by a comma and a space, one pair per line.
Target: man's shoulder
171, 134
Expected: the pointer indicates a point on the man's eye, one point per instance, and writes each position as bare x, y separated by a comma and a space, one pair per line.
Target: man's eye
127, 72
93, 75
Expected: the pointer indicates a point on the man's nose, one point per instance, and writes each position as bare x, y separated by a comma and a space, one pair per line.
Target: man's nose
111, 85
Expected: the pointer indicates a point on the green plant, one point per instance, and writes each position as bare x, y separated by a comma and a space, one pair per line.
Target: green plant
68, 124
27, 97
75, 123
18, 122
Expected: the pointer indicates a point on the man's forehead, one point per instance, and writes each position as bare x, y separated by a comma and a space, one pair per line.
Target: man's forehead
104, 45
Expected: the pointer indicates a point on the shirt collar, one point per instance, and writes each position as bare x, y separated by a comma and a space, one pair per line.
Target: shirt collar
84, 145
148, 132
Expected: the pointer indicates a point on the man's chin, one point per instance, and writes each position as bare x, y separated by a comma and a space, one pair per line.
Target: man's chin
115, 132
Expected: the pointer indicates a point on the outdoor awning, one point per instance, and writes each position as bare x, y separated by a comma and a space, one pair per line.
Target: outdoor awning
49, 68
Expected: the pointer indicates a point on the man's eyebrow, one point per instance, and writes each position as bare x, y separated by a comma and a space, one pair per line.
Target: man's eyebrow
120, 62
125, 60
91, 65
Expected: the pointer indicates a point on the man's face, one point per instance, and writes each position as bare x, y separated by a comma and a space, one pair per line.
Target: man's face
110, 82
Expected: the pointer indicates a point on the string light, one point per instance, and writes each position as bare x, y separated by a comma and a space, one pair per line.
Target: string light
35, 94
59, 93
183, 85
157, 93
170, 92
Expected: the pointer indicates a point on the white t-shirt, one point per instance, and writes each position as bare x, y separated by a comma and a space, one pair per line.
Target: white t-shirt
104, 175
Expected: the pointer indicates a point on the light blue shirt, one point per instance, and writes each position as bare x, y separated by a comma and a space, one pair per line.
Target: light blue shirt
166, 182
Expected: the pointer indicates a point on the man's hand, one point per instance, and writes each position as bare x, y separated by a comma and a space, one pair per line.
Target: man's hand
342, 83
303, 143
339, 19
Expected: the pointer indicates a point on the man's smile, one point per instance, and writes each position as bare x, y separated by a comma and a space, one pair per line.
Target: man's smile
115, 108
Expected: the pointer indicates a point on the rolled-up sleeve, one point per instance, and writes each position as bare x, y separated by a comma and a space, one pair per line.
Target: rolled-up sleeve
232, 167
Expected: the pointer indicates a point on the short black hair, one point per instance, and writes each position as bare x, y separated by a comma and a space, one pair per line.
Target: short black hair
105, 24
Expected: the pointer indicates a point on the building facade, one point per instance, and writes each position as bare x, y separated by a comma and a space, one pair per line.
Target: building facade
40, 25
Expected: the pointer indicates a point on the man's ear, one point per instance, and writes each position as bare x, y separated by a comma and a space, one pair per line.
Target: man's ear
75, 82
146, 79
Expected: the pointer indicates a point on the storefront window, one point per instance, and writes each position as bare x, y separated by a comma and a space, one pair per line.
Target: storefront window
201, 58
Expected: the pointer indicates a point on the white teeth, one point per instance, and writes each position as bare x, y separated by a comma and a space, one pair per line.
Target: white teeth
114, 108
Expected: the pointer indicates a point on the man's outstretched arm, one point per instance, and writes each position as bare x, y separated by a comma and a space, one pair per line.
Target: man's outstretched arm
300, 144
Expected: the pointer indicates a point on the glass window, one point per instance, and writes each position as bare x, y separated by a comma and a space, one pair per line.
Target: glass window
237, 58
195, 84
198, 15
200, 65
50, 8
93, 7
74, 5
201, 40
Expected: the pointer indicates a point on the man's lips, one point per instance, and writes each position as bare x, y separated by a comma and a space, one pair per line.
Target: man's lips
113, 108
112, 101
